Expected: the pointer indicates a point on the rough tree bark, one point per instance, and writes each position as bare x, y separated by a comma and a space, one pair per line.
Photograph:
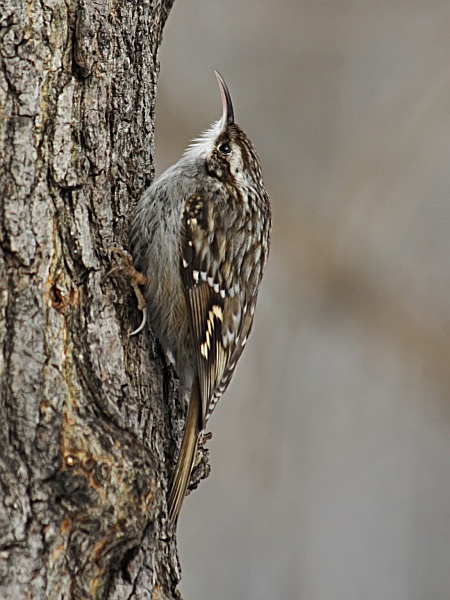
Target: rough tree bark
86, 439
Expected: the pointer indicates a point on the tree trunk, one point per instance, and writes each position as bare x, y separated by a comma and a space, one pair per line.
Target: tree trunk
87, 413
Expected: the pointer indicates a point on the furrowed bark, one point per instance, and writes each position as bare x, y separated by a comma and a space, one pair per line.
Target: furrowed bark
86, 413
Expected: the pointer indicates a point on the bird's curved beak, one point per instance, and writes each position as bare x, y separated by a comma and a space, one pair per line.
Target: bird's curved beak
227, 105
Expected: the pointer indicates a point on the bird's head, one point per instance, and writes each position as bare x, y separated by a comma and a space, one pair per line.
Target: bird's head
227, 152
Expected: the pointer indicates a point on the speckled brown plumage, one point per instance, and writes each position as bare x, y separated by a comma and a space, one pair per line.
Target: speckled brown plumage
201, 235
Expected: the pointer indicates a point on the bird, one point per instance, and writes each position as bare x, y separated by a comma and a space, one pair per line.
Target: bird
201, 236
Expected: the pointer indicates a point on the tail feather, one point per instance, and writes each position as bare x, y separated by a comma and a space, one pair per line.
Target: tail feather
187, 455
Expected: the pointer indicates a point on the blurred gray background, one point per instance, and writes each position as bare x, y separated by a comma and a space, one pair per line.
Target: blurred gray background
331, 450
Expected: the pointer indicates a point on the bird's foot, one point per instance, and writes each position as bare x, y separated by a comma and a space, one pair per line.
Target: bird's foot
125, 265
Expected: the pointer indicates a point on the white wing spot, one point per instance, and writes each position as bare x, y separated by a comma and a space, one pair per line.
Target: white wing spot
210, 326
185, 264
217, 311
195, 275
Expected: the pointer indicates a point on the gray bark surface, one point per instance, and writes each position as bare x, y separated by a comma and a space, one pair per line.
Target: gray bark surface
86, 437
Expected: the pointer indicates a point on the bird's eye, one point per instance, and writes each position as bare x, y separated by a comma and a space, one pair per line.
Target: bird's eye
225, 148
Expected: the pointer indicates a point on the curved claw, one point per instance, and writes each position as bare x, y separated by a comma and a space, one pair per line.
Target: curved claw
142, 325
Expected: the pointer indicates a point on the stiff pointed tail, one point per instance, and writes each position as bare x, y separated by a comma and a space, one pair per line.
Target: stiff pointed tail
187, 455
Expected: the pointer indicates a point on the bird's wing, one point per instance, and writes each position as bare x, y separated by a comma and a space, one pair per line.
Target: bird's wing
220, 307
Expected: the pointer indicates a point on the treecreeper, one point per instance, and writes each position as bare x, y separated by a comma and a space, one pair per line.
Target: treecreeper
201, 236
